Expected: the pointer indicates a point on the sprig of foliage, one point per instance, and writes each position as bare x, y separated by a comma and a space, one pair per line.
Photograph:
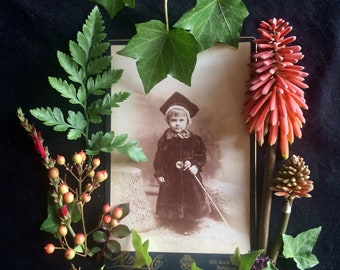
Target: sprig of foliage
114, 6
300, 248
141, 250
161, 50
89, 76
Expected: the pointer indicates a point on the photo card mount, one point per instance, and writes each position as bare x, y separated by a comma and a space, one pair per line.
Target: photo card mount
228, 177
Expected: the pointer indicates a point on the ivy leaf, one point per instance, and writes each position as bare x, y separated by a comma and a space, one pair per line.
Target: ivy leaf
160, 52
300, 248
212, 21
51, 117
244, 261
113, 6
141, 251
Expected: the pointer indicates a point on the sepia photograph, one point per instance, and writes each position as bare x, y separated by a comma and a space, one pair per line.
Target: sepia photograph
197, 186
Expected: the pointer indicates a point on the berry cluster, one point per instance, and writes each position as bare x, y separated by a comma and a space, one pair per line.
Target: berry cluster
70, 198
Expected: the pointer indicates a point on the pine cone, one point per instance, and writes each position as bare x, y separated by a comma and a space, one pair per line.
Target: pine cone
292, 180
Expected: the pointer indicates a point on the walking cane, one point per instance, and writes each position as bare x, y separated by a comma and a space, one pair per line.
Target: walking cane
184, 166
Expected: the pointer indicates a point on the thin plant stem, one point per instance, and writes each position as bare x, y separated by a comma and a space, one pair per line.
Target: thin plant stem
166, 15
274, 252
266, 197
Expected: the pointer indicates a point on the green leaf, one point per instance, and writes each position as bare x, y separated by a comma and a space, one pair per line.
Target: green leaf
245, 261
270, 266
65, 89
78, 124
95, 250
103, 106
75, 213
99, 236
97, 65
137, 154
52, 222
113, 246
108, 142
76, 73
77, 53
121, 231
300, 248
195, 267
113, 6
103, 81
51, 117
160, 53
99, 141
212, 21
92, 33
141, 251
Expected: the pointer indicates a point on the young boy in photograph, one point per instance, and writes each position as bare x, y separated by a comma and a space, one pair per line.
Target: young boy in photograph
179, 159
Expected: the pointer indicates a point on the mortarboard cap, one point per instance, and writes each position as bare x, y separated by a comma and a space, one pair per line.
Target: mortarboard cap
179, 100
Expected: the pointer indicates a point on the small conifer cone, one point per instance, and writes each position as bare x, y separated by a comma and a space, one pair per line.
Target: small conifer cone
292, 180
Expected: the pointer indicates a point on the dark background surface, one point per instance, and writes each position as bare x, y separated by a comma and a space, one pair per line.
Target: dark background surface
32, 31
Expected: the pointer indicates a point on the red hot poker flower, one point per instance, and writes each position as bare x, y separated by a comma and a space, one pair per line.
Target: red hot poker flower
275, 90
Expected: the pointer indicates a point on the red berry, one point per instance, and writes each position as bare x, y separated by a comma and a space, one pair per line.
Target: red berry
49, 248
83, 155
85, 198
106, 208
68, 197
114, 223
70, 254
91, 174
101, 176
79, 238
77, 158
62, 230
53, 173
95, 162
60, 160
107, 219
117, 213
63, 188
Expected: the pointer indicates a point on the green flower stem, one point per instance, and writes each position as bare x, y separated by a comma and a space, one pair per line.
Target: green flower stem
274, 252
81, 208
266, 197
166, 15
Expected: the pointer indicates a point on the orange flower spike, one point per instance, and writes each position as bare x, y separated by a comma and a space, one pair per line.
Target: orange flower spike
275, 95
